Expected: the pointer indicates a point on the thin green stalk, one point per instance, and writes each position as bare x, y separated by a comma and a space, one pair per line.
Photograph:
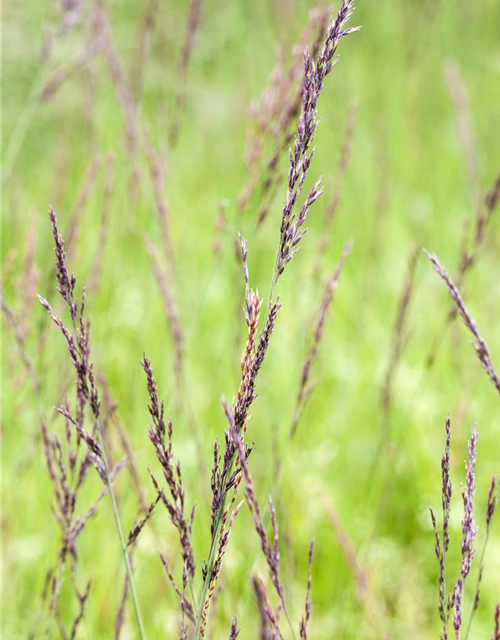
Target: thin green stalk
210, 565
123, 545
476, 588
22, 124
212, 557
274, 280
126, 559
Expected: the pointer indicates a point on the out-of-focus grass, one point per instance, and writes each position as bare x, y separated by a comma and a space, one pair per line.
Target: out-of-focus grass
406, 146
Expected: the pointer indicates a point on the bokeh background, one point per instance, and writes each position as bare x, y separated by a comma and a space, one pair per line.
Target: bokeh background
422, 83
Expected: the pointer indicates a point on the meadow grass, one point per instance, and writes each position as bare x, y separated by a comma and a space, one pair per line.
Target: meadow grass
360, 473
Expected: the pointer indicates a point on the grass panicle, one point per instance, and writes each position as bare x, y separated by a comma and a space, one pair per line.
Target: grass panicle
87, 396
478, 343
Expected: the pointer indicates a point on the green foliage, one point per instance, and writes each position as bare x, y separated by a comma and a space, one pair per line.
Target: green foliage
406, 183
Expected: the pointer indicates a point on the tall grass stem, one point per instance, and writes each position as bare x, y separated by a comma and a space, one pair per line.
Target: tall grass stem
126, 560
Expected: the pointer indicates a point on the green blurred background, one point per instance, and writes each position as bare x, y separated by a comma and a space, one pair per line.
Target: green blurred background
409, 184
